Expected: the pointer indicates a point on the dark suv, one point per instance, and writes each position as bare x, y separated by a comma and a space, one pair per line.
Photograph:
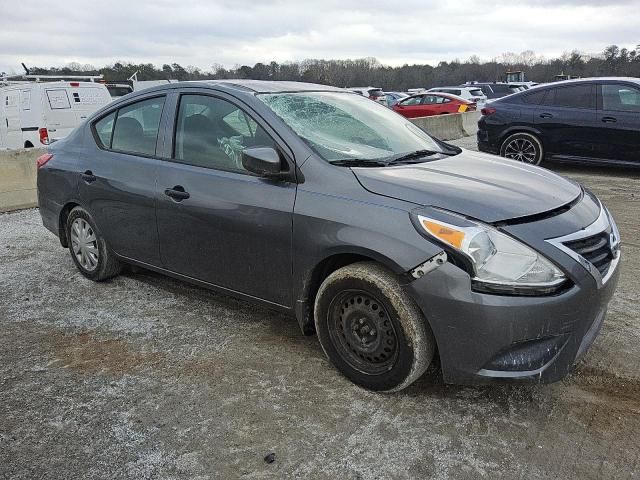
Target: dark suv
589, 120
388, 243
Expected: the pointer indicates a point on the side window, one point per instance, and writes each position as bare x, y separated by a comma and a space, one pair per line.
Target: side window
534, 98
104, 128
621, 98
413, 100
136, 127
429, 100
212, 132
576, 96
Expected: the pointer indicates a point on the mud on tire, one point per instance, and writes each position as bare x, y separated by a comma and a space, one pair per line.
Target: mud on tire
370, 329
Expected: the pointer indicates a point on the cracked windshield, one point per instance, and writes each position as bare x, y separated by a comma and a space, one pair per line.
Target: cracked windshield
347, 126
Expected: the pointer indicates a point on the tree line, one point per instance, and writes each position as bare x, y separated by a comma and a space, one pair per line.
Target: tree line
613, 61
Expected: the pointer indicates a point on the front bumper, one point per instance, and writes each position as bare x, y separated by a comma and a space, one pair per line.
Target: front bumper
485, 338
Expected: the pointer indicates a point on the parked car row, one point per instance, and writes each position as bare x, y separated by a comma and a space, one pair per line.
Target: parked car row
417, 104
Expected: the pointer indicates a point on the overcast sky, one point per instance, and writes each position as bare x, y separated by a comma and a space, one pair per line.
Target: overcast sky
229, 32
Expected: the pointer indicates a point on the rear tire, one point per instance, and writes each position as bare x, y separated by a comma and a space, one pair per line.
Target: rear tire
523, 147
88, 249
370, 329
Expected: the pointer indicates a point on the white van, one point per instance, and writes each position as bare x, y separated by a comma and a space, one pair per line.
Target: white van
34, 114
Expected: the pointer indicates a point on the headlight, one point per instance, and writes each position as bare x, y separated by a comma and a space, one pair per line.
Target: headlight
499, 263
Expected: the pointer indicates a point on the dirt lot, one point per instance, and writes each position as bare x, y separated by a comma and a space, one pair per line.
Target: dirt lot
147, 377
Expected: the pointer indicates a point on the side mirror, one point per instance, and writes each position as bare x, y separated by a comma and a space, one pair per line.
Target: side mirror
263, 161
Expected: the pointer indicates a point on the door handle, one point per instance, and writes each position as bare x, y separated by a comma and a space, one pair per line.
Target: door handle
88, 176
546, 115
177, 193
609, 119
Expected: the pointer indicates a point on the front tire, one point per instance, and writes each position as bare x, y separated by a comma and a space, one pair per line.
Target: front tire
370, 329
523, 147
88, 249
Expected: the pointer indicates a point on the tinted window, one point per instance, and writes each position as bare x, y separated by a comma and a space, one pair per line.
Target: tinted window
104, 128
498, 88
412, 100
136, 129
622, 98
577, 96
535, 97
212, 133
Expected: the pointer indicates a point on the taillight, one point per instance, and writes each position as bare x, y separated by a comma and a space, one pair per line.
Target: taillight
44, 136
74, 84
488, 111
43, 159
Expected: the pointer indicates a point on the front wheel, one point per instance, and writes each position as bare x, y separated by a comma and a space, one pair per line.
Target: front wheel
523, 147
370, 330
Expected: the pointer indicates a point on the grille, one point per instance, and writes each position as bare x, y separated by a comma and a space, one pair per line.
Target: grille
595, 249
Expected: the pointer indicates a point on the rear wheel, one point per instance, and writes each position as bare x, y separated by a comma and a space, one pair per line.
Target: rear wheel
523, 147
370, 329
88, 249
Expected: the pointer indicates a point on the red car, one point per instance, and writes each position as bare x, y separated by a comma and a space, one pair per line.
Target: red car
427, 104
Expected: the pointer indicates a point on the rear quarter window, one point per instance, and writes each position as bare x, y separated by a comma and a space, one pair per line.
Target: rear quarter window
103, 129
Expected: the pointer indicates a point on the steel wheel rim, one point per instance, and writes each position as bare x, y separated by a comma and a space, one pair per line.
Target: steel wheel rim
84, 244
362, 331
522, 150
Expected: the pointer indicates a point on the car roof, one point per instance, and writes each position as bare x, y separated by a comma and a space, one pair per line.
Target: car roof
456, 87
591, 80
255, 86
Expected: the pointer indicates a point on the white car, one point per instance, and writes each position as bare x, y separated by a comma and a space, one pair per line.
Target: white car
472, 94
36, 114
373, 93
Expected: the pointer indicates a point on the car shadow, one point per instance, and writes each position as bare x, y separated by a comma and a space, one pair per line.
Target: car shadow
582, 169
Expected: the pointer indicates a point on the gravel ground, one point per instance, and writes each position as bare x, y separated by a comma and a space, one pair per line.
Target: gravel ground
147, 377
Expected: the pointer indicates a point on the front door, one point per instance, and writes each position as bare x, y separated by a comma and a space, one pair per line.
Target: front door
411, 107
216, 222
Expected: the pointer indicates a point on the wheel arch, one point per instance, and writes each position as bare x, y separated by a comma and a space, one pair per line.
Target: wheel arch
338, 258
62, 222
520, 129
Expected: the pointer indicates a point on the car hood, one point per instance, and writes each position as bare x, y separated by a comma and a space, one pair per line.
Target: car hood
482, 186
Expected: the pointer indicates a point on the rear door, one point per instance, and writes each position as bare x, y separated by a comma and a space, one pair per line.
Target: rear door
619, 114
217, 222
568, 121
118, 178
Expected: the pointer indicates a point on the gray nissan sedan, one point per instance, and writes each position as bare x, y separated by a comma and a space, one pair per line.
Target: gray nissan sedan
394, 247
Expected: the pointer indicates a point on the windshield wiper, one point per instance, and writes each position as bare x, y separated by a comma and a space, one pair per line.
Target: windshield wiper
358, 162
403, 157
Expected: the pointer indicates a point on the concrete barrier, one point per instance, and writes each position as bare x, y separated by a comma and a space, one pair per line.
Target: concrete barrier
18, 179
449, 127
